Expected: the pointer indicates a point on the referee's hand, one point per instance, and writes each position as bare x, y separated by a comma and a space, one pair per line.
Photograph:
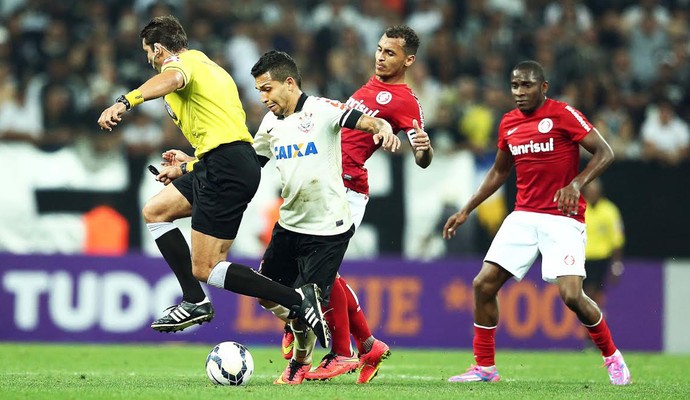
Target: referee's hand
111, 116
169, 174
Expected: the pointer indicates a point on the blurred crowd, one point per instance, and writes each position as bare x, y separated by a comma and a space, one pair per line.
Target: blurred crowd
625, 64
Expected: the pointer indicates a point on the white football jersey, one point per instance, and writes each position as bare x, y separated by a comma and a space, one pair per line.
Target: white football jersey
306, 146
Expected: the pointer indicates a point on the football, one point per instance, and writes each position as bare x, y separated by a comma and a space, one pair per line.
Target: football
229, 364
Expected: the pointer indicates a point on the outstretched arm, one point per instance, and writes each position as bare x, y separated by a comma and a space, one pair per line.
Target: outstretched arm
159, 85
381, 130
602, 156
493, 180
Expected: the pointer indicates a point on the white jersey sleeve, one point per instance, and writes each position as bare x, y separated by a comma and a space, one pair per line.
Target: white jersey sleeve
339, 114
262, 139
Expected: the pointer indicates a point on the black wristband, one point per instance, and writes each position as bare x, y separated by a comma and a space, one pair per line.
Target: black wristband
122, 99
183, 167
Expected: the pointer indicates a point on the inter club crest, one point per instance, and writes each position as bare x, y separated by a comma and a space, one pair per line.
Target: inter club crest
384, 97
545, 125
305, 123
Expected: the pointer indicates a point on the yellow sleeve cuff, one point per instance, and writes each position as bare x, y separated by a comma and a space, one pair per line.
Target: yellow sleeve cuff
135, 97
190, 165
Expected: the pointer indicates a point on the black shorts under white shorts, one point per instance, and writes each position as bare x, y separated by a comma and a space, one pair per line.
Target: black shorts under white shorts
219, 188
597, 271
295, 259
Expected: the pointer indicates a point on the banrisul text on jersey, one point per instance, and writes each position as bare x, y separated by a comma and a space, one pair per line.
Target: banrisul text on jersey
531, 147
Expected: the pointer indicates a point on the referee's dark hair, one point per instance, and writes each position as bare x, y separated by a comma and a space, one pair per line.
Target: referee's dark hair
279, 64
167, 31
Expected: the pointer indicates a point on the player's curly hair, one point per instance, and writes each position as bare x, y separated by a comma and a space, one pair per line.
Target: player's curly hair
408, 35
167, 31
280, 64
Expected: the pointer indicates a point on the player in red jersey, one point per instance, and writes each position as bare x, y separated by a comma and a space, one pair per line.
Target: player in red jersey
386, 96
542, 138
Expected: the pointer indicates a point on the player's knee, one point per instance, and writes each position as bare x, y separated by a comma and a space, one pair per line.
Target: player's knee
147, 214
201, 271
200, 274
484, 286
153, 212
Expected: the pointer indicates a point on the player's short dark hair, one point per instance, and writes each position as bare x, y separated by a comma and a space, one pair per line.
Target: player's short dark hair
407, 34
167, 31
534, 67
279, 64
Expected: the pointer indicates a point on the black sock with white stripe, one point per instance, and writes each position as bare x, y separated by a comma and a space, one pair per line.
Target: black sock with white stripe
241, 279
175, 250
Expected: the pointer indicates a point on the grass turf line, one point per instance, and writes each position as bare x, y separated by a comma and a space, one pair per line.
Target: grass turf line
176, 371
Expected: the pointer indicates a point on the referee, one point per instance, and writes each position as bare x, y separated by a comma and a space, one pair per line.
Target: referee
605, 240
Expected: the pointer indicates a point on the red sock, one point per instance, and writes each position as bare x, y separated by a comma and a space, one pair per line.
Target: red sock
601, 336
338, 321
358, 323
484, 345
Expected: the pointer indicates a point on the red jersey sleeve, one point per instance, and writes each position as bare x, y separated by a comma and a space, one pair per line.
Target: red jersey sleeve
412, 110
575, 123
409, 110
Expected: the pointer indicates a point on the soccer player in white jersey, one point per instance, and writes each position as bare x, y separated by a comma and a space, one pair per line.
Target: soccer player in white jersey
542, 138
309, 240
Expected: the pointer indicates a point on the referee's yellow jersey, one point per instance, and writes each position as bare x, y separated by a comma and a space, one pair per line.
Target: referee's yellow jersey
605, 232
208, 108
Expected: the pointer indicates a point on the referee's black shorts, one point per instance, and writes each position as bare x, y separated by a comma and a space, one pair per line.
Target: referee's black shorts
219, 188
597, 272
295, 259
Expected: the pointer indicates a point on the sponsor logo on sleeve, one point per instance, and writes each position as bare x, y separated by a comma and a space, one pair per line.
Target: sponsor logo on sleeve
171, 113
579, 118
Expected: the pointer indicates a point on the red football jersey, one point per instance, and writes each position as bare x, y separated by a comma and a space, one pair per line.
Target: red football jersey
397, 104
545, 148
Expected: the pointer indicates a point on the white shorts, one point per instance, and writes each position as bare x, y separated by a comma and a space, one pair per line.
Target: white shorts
523, 235
358, 204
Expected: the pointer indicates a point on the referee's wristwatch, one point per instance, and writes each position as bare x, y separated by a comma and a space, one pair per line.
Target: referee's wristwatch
122, 99
183, 167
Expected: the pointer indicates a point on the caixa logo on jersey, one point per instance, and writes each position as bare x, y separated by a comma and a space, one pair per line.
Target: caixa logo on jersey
295, 150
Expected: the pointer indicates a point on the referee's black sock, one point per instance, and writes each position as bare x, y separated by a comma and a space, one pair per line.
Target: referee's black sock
242, 279
175, 250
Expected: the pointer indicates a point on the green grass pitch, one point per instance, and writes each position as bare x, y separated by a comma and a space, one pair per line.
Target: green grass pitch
176, 371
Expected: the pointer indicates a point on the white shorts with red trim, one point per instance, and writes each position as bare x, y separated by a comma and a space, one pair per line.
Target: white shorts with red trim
524, 235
